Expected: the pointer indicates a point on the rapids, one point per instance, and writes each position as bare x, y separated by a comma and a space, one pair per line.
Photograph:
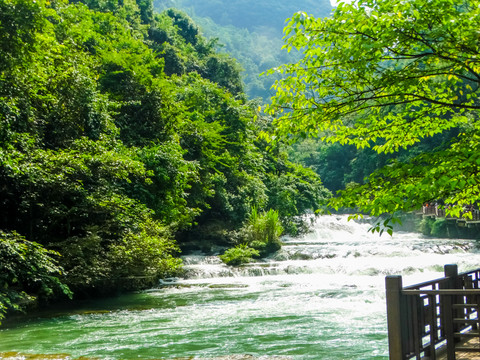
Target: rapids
320, 297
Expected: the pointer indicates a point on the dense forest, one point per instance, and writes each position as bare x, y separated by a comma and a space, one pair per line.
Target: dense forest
250, 31
126, 137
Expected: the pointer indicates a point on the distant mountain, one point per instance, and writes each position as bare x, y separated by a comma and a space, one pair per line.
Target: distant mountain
250, 14
249, 30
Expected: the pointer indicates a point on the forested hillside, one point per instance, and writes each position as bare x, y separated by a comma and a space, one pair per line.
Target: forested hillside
250, 31
121, 132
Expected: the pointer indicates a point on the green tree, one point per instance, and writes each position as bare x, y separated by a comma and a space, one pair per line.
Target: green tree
84, 108
386, 74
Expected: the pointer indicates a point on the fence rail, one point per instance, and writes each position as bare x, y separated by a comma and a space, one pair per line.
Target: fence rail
434, 316
473, 214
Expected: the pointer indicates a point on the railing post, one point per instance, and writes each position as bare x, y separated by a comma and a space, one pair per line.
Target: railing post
450, 271
395, 304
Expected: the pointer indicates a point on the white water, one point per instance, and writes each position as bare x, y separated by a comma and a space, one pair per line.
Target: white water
320, 297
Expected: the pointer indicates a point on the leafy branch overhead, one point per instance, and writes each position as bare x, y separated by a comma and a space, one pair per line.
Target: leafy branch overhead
386, 75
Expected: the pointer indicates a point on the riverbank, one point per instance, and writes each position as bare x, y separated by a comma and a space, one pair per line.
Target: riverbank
321, 296
20, 356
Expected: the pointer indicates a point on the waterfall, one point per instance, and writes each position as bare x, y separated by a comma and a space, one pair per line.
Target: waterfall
321, 297
340, 247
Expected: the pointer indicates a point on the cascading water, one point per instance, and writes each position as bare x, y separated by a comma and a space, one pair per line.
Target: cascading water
320, 297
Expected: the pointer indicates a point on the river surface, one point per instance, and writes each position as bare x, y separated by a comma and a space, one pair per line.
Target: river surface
320, 297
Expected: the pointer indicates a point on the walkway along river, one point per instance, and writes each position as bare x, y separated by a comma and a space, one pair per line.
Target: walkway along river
321, 297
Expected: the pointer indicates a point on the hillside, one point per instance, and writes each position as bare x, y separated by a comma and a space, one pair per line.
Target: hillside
250, 31
124, 136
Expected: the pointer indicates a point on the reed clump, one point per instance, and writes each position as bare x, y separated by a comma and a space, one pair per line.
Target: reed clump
259, 237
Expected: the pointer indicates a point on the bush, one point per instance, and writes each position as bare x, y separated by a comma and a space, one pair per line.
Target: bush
260, 236
426, 226
28, 273
240, 254
148, 253
96, 265
439, 228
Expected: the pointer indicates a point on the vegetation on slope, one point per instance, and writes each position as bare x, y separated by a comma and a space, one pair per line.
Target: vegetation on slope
250, 31
121, 131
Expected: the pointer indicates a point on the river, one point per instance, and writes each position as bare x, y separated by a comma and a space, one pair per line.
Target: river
320, 297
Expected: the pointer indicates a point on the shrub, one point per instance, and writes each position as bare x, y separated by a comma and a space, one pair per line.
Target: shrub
148, 252
426, 226
439, 228
240, 254
28, 273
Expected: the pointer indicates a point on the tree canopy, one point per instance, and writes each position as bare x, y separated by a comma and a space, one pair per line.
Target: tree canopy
386, 75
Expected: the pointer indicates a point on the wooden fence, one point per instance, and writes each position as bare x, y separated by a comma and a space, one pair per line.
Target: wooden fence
439, 211
436, 316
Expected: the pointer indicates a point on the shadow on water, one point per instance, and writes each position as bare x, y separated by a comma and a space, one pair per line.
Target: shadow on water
136, 301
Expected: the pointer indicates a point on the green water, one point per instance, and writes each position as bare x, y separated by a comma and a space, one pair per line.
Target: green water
329, 304
265, 320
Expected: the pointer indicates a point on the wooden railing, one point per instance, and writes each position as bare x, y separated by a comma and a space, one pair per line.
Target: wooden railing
439, 211
437, 316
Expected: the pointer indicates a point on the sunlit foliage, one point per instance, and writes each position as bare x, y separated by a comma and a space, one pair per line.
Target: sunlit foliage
385, 75
121, 131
